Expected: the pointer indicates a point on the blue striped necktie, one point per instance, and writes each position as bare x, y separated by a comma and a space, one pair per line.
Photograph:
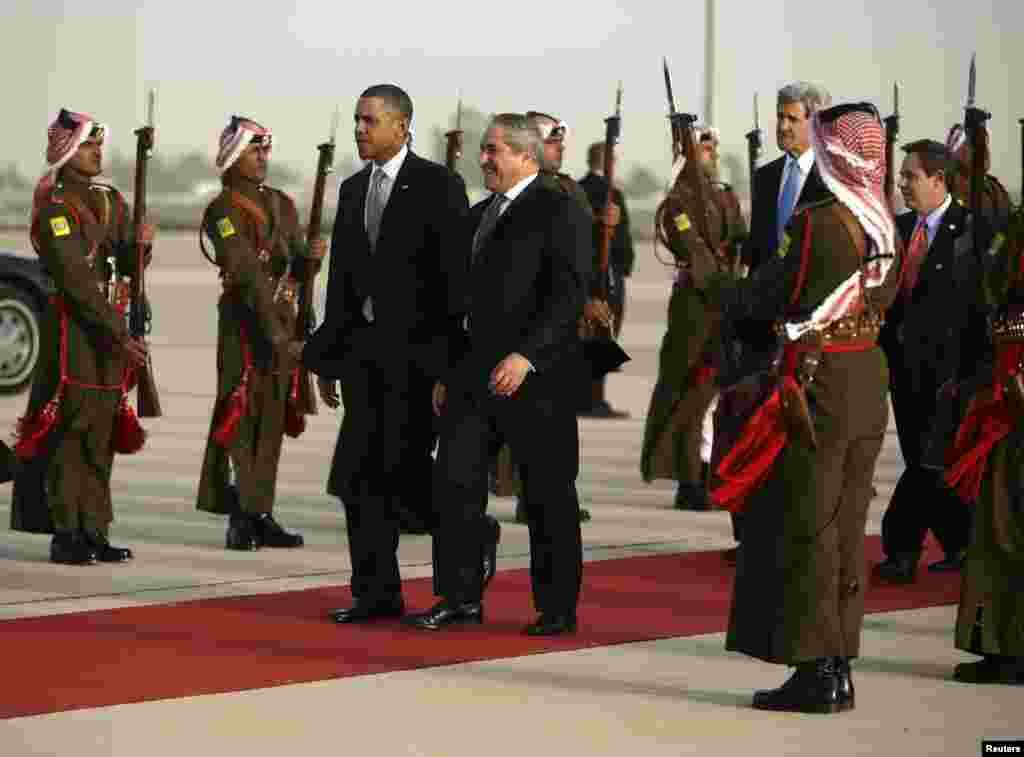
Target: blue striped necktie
787, 200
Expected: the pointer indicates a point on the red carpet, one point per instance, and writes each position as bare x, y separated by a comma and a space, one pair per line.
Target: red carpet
136, 654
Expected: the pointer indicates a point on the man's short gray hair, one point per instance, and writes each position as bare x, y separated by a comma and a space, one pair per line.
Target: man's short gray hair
813, 96
519, 134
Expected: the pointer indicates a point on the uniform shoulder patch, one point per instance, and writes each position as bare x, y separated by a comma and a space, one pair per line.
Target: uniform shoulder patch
59, 226
784, 245
682, 222
225, 228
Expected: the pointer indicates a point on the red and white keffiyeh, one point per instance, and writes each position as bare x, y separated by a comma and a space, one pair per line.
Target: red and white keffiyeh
238, 135
849, 152
63, 138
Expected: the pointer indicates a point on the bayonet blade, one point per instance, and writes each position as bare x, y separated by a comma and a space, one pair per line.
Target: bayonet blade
151, 109
335, 120
972, 78
618, 100
668, 87
458, 111
896, 99
757, 115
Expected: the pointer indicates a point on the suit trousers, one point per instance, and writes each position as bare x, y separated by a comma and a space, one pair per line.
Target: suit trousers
921, 500
543, 436
382, 454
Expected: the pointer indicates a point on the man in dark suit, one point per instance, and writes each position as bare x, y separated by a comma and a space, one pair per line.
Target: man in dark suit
513, 380
395, 253
788, 181
926, 340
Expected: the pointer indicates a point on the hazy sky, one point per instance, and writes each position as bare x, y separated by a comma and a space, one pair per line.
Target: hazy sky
288, 64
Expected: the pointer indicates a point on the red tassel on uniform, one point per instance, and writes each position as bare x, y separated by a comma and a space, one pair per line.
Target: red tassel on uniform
129, 435
33, 430
294, 420
231, 412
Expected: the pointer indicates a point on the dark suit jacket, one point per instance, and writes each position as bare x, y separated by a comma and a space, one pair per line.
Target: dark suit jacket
526, 290
411, 276
764, 214
939, 335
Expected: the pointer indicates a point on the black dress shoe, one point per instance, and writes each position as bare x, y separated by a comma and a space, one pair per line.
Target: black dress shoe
268, 533
105, 551
71, 549
446, 613
551, 625
814, 688
897, 569
991, 669
241, 534
491, 549
949, 564
844, 680
729, 556
691, 496
364, 610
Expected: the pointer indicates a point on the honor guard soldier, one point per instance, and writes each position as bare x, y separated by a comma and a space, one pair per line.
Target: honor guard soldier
258, 248
78, 415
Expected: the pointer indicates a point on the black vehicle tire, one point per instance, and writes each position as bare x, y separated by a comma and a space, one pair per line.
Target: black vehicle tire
19, 338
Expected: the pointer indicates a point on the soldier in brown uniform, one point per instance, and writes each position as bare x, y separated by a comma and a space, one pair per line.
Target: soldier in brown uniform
78, 416
986, 466
258, 248
802, 464
686, 386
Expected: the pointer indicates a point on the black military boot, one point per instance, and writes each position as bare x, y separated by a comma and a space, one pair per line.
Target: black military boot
269, 533
104, 550
71, 548
813, 688
493, 536
241, 533
845, 681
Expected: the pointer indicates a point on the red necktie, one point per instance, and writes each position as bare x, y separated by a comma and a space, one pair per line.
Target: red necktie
916, 250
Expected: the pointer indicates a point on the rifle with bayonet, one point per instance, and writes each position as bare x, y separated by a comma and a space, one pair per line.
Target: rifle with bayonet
304, 323
613, 130
147, 399
600, 349
754, 147
453, 149
892, 131
684, 144
974, 130
1020, 202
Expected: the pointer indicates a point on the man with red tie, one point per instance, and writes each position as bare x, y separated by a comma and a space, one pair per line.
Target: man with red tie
926, 338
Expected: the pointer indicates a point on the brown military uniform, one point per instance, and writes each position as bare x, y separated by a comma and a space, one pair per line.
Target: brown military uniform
77, 231
255, 232
685, 386
990, 620
800, 583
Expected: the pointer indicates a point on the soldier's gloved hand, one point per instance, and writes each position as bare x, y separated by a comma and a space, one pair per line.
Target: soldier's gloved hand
137, 352
147, 233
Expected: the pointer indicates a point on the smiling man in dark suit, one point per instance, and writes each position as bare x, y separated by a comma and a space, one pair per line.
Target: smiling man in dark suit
927, 342
395, 253
513, 380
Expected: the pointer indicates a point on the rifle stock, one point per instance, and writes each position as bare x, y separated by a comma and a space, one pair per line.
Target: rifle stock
147, 399
892, 131
304, 321
453, 150
613, 129
974, 125
754, 147
1020, 202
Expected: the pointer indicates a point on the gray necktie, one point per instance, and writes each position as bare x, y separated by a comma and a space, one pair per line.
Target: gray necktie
375, 205
488, 222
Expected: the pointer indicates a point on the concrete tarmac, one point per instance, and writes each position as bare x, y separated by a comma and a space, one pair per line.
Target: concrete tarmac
677, 696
